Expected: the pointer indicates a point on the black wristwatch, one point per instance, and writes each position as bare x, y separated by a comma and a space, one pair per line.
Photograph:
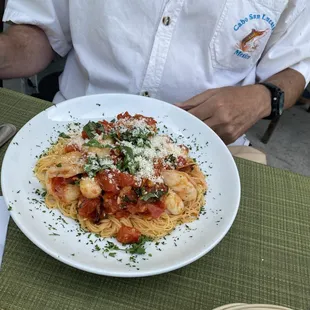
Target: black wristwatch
277, 100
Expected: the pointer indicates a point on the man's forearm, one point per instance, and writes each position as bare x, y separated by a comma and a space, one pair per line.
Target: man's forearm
24, 51
291, 82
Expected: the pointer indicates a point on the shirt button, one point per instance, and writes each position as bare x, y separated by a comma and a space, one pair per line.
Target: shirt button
145, 94
166, 20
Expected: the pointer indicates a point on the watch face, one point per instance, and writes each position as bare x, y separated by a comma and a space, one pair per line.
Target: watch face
281, 102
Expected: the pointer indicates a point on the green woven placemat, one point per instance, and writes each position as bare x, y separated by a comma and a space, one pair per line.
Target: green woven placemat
265, 258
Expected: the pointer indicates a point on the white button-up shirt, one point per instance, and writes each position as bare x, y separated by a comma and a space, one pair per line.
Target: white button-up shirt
169, 49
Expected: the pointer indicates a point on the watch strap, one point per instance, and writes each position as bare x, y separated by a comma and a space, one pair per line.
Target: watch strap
276, 94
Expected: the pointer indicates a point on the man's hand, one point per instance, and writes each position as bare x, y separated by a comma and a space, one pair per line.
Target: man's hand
230, 111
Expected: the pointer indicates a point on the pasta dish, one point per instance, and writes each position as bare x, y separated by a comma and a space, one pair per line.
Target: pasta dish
122, 178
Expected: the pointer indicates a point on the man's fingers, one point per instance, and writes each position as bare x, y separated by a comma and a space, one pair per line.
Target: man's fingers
197, 100
205, 110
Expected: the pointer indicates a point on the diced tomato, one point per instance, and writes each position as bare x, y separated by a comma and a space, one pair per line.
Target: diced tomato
89, 208
181, 162
155, 209
123, 115
110, 203
128, 234
71, 148
122, 213
107, 181
58, 184
113, 180
124, 179
149, 120
84, 135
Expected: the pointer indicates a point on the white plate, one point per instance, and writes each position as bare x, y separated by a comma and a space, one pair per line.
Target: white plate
182, 247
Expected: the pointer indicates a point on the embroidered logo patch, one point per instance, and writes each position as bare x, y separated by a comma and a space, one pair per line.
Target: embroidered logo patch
251, 41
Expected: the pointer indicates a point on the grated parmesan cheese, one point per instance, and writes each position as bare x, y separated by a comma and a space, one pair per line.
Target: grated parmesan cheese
77, 140
160, 148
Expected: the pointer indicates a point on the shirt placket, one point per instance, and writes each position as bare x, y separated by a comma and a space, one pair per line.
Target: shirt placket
159, 53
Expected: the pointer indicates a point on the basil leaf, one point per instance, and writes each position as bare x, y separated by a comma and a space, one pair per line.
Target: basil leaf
137, 137
129, 164
153, 195
95, 143
90, 129
63, 135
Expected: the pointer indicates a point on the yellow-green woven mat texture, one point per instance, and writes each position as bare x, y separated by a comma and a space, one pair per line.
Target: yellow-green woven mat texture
265, 258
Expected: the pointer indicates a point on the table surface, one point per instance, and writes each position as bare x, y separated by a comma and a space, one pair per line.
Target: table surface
265, 257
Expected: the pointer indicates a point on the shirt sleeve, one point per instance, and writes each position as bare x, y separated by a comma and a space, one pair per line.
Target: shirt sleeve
289, 45
52, 16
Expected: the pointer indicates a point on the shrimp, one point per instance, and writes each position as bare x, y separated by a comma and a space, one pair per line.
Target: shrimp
72, 158
196, 174
64, 171
90, 188
70, 193
56, 178
180, 183
173, 203
59, 189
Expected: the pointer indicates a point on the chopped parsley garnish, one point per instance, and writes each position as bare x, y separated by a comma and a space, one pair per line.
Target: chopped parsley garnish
59, 165
9, 208
63, 135
111, 246
139, 247
135, 248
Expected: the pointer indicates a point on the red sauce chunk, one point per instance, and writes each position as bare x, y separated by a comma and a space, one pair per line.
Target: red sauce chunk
128, 234
89, 208
84, 135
